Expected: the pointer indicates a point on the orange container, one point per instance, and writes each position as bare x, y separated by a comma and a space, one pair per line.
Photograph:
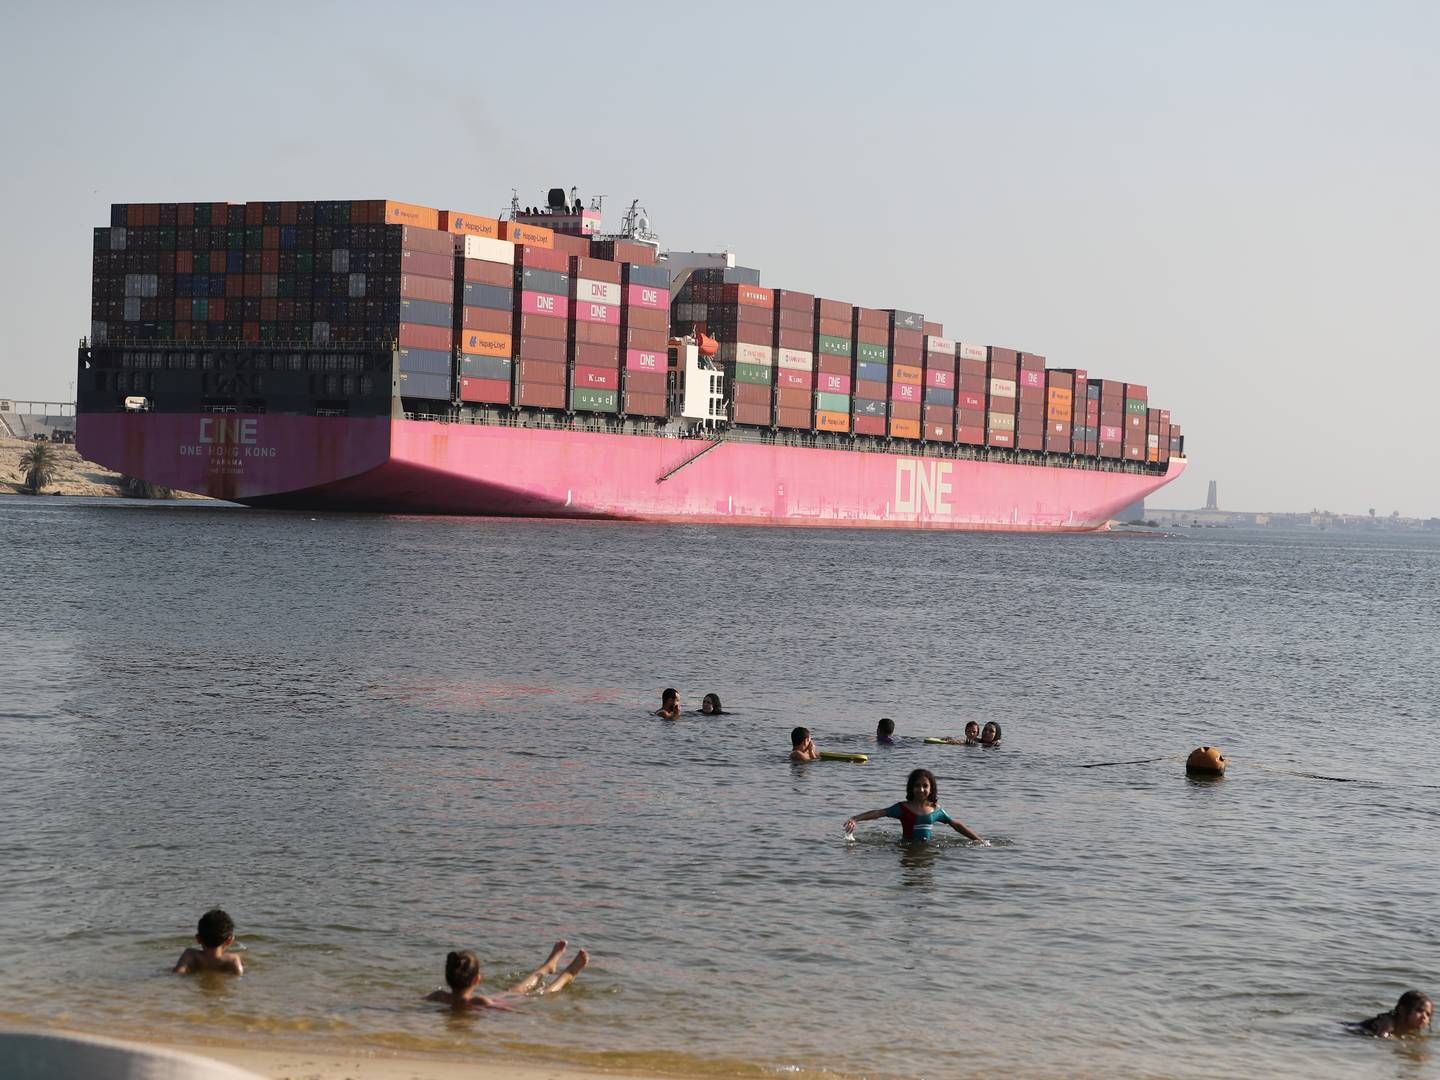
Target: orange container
749, 295
462, 224
400, 213
904, 373
905, 429
519, 233
832, 421
485, 343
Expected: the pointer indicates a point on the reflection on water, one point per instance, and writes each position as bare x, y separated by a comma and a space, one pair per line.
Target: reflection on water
376, 740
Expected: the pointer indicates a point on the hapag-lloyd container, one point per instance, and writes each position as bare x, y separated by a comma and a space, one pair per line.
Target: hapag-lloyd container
904, 373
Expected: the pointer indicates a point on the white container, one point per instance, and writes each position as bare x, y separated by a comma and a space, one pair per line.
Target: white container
939, 346
742, 352
1000, 421
970, 352
599, 292
795, 360
488, 249
1002, 388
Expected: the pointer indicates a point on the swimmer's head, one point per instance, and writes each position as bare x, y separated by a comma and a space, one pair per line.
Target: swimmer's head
1412, 1012
972, 730
215, 929
990, 733
669, 696
462, 970
885, 728
710, 704
918, 779
798, 736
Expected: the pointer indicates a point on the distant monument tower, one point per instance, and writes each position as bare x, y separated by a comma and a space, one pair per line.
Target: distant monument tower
1211, 502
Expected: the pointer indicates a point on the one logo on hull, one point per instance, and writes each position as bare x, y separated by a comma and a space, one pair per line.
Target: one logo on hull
922, 487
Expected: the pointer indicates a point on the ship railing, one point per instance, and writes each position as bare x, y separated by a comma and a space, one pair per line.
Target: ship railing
602, 423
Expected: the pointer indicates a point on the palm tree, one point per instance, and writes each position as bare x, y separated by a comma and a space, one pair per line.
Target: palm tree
39, 464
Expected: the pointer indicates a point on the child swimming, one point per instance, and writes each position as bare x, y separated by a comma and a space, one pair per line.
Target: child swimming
919, 813
462, 974
214, 934
885, 731
1411, 1013
669, 704
802, 747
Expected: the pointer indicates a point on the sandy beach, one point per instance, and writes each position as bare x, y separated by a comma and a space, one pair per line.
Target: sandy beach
73, 474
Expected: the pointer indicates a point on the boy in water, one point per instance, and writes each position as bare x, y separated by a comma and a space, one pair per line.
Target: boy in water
972, 733
215, 934
802, 747
462, 974
669, 705
885, 731
1411, 1013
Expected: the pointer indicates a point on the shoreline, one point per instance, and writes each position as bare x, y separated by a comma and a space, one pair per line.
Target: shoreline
74, 475
318, 1062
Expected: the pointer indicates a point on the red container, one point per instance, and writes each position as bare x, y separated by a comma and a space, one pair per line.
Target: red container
793, 418
540, 372
440, 290
790, 319
999, 438
596, 333
905, 410
939, 431
788, 398
541, 395
645, 319
1027, 441
795, 339
826, 364
426, 265
974, 369
793, 380
542, 327
640, 404
789, 300
833, 327
415, 336
496, 322
970, 434
875, 320
542, 259
638, 382
872, 391
479, 272
596, 378
641, 360
550, 350
970, 399
650, 340
595, 269
834, 309
1002, 357
604, 356
752, 415
752, 394
869, 425
494, 391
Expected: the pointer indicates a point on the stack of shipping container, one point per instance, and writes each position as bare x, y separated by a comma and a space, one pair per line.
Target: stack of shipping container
834, 352
1030, 417
939, 418
743, 323
906, 346
645, 335
1111, 395
870, 341
972, 390
1059, 411
794, 340
1136, 411
486, 306
542, 322
594, 334
1000, 404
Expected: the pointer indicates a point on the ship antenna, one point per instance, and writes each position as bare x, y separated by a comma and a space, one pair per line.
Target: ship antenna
597, 203
514, 204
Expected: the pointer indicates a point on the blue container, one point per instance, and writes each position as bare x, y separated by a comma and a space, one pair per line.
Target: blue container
494, 297
485, 367
427, 312
546, 281
656, 277
872, 372
425, 362
939, 395
431, 387
235, 262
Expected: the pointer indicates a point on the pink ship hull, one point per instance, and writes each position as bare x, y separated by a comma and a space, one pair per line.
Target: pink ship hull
408, 466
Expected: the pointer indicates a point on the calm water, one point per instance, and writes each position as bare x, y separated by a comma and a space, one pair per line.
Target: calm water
377, 739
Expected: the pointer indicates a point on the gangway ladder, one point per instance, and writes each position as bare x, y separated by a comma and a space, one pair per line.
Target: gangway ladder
690, 460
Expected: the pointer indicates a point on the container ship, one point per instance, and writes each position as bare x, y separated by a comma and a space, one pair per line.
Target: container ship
379, 356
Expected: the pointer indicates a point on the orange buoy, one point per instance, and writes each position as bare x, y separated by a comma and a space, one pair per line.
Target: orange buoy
1205, 761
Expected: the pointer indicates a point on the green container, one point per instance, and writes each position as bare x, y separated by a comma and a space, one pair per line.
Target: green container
832, 402
760, 374
305, 262
1135, 407
199, 310
235, 239
285, 286
202, 215
835, 346
254, 238
593, 400
167, 238
872, 354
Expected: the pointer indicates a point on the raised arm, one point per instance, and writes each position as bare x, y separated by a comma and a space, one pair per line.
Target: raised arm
959, 826
868, 815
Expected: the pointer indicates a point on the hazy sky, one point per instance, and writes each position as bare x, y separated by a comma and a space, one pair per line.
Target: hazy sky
1235, 204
